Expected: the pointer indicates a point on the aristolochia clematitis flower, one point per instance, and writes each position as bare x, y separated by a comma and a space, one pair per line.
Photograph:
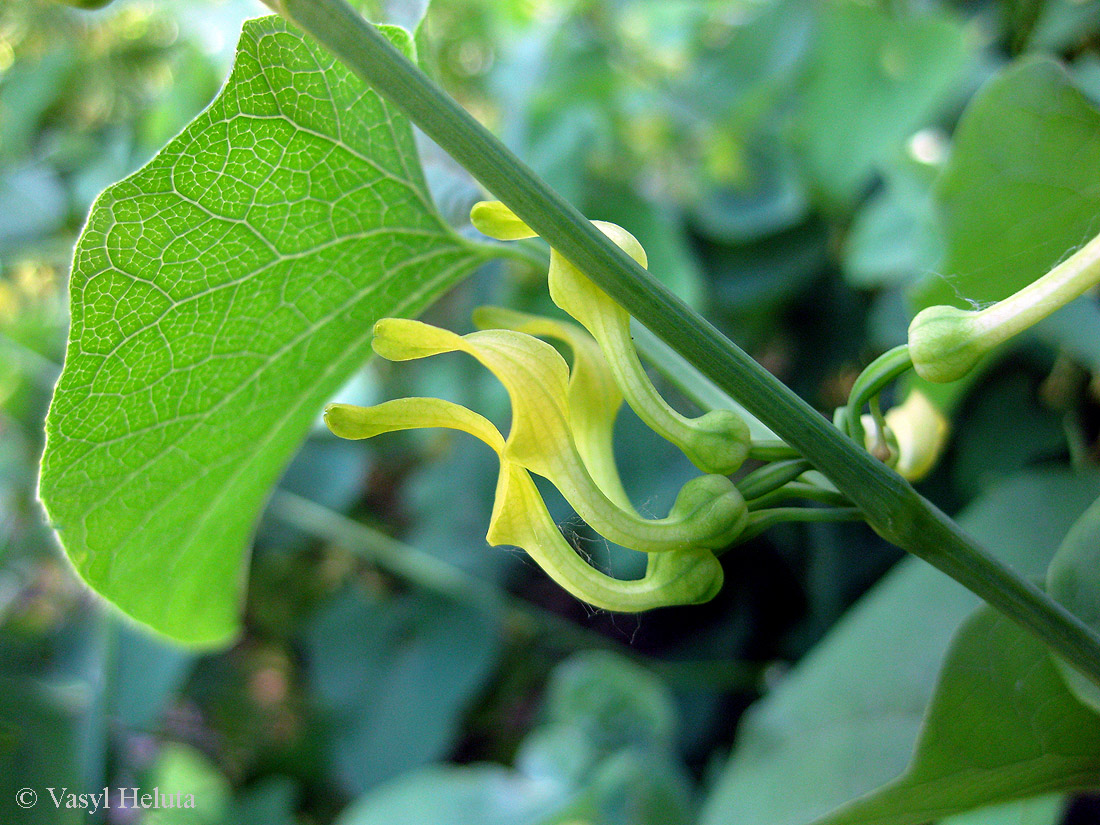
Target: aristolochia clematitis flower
920, 433
709, 511
717, 442
520, 517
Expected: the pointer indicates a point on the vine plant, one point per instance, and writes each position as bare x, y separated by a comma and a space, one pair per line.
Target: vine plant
888, 503
182, 451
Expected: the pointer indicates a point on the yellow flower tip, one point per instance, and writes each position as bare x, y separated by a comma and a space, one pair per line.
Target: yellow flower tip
624, 240
716, 506
496, 220
921, 432
402, 339
720, 442
347, 421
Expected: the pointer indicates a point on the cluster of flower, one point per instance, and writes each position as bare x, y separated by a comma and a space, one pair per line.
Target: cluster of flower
562, 423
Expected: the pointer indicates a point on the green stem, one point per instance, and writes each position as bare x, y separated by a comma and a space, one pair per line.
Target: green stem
800, 490
871, 382
772, 477
772, 450
889, 503
762, 520
1070, 279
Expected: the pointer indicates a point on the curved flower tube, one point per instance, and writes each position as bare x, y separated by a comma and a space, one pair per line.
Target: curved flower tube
594, 398
709, 511
716, 442
520, 517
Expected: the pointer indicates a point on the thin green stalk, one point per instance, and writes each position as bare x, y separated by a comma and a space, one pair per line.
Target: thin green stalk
800, 490
771, 477
880, 372
763, 520
889, 503
772, 450
425, 570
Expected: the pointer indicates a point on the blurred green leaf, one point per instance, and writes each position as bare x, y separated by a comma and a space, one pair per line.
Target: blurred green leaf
876, 78
393, 677
41, 733
1074, 579
200, 794
269, 802
845, 720
769, 197
613, 702
34, 204
1043, 810
208, 327
27, 91
1005, 429
1064, 24
148, 673
1076, 328
894, 237
1001, 725
601, 756
53, 732
1019, 192
451, 795
754, 280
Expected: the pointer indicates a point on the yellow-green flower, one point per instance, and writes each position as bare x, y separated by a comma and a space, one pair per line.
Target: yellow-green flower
520, 517
709, 511
920, 432
717, 442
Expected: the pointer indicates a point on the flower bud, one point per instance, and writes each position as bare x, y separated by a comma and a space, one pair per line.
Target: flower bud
945, 343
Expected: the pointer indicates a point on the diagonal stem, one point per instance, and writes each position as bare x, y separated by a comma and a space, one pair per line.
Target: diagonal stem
889, 503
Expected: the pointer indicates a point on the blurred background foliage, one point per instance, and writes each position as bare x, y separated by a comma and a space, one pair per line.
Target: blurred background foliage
795, 172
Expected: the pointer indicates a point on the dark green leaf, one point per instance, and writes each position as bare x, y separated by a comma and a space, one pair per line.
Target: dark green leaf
1044, 810
1074, 580
1020, 190
846, 720
1002, 725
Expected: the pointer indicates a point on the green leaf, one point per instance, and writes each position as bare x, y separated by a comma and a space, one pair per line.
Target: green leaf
894, 237
1074, 579
876, 79
219, 296
1019, 191
1002, 725
1043, 810
846, 719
